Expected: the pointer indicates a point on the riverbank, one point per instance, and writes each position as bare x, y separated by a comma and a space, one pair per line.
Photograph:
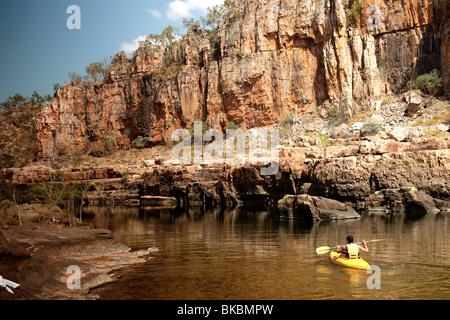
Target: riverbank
363, 173
39, 253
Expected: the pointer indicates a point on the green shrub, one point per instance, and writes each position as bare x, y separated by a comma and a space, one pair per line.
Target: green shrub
125, 177
140, 142
109, 142
85, 142
332, 114
429, 83
62, 152
371, 125
97, 149
288, 119
353, 14
233, 125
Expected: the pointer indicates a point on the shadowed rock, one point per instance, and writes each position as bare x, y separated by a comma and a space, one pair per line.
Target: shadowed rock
315, 208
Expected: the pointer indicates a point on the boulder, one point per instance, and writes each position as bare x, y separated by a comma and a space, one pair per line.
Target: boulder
314, 208
406, 200
415, 102
149, 163
398, 134
357, 127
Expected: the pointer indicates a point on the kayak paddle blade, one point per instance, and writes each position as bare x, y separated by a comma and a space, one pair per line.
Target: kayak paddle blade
323, 250
377, 240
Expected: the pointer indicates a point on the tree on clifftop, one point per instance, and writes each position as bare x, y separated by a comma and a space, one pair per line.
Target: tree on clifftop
97, 71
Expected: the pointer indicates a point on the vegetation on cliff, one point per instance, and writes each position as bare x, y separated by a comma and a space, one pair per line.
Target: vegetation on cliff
354, 13
95, 71
18, 136
429, 83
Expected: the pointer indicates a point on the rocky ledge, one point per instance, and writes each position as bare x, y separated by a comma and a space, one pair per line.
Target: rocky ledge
370, 174
39, 255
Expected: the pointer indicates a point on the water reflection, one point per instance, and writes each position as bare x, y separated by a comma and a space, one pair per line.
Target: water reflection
248, 254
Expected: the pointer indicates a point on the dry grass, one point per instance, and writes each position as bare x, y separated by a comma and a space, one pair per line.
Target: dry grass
430, 133
441, 118
386, 100
360, 117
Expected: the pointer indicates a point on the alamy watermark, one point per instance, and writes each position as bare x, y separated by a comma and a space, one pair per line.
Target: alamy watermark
374, 19
374, 281
74, 280
255, 146
74, 20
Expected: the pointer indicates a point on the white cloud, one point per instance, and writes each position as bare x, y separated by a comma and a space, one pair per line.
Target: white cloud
129, 47
155, 13
183, 8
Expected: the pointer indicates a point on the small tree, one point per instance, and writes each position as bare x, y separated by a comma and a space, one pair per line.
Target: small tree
95, 71
168, 35
56, 86
191, 23
56, 189
73, 76
324, 142
36, 98
13, 102
81, 188
214, 16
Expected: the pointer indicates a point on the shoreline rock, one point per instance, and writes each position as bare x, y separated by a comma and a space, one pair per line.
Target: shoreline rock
405, 200
38, 255
307, 207
352, 173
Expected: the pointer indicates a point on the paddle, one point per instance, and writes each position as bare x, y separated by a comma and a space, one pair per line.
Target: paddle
325, 249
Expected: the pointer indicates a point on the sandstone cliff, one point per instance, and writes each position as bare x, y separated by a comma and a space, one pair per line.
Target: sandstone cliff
270, 58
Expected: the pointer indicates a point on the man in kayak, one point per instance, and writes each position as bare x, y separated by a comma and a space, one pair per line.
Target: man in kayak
352, 250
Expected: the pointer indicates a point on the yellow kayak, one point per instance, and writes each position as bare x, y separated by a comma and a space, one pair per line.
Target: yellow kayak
350, 263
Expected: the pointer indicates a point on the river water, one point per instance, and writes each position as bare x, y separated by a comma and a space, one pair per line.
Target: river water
250, 255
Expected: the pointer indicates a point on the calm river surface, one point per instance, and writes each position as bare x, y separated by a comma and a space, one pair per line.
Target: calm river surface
244, 255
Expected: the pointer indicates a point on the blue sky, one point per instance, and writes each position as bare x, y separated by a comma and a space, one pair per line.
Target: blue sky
38, 50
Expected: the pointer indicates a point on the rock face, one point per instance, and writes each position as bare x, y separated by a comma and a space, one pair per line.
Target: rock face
314, 208
354, 178
409, 200
269, 58
376, 175
215, 185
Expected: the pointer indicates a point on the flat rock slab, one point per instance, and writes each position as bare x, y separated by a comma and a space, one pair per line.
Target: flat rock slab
55, 236
38, 257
